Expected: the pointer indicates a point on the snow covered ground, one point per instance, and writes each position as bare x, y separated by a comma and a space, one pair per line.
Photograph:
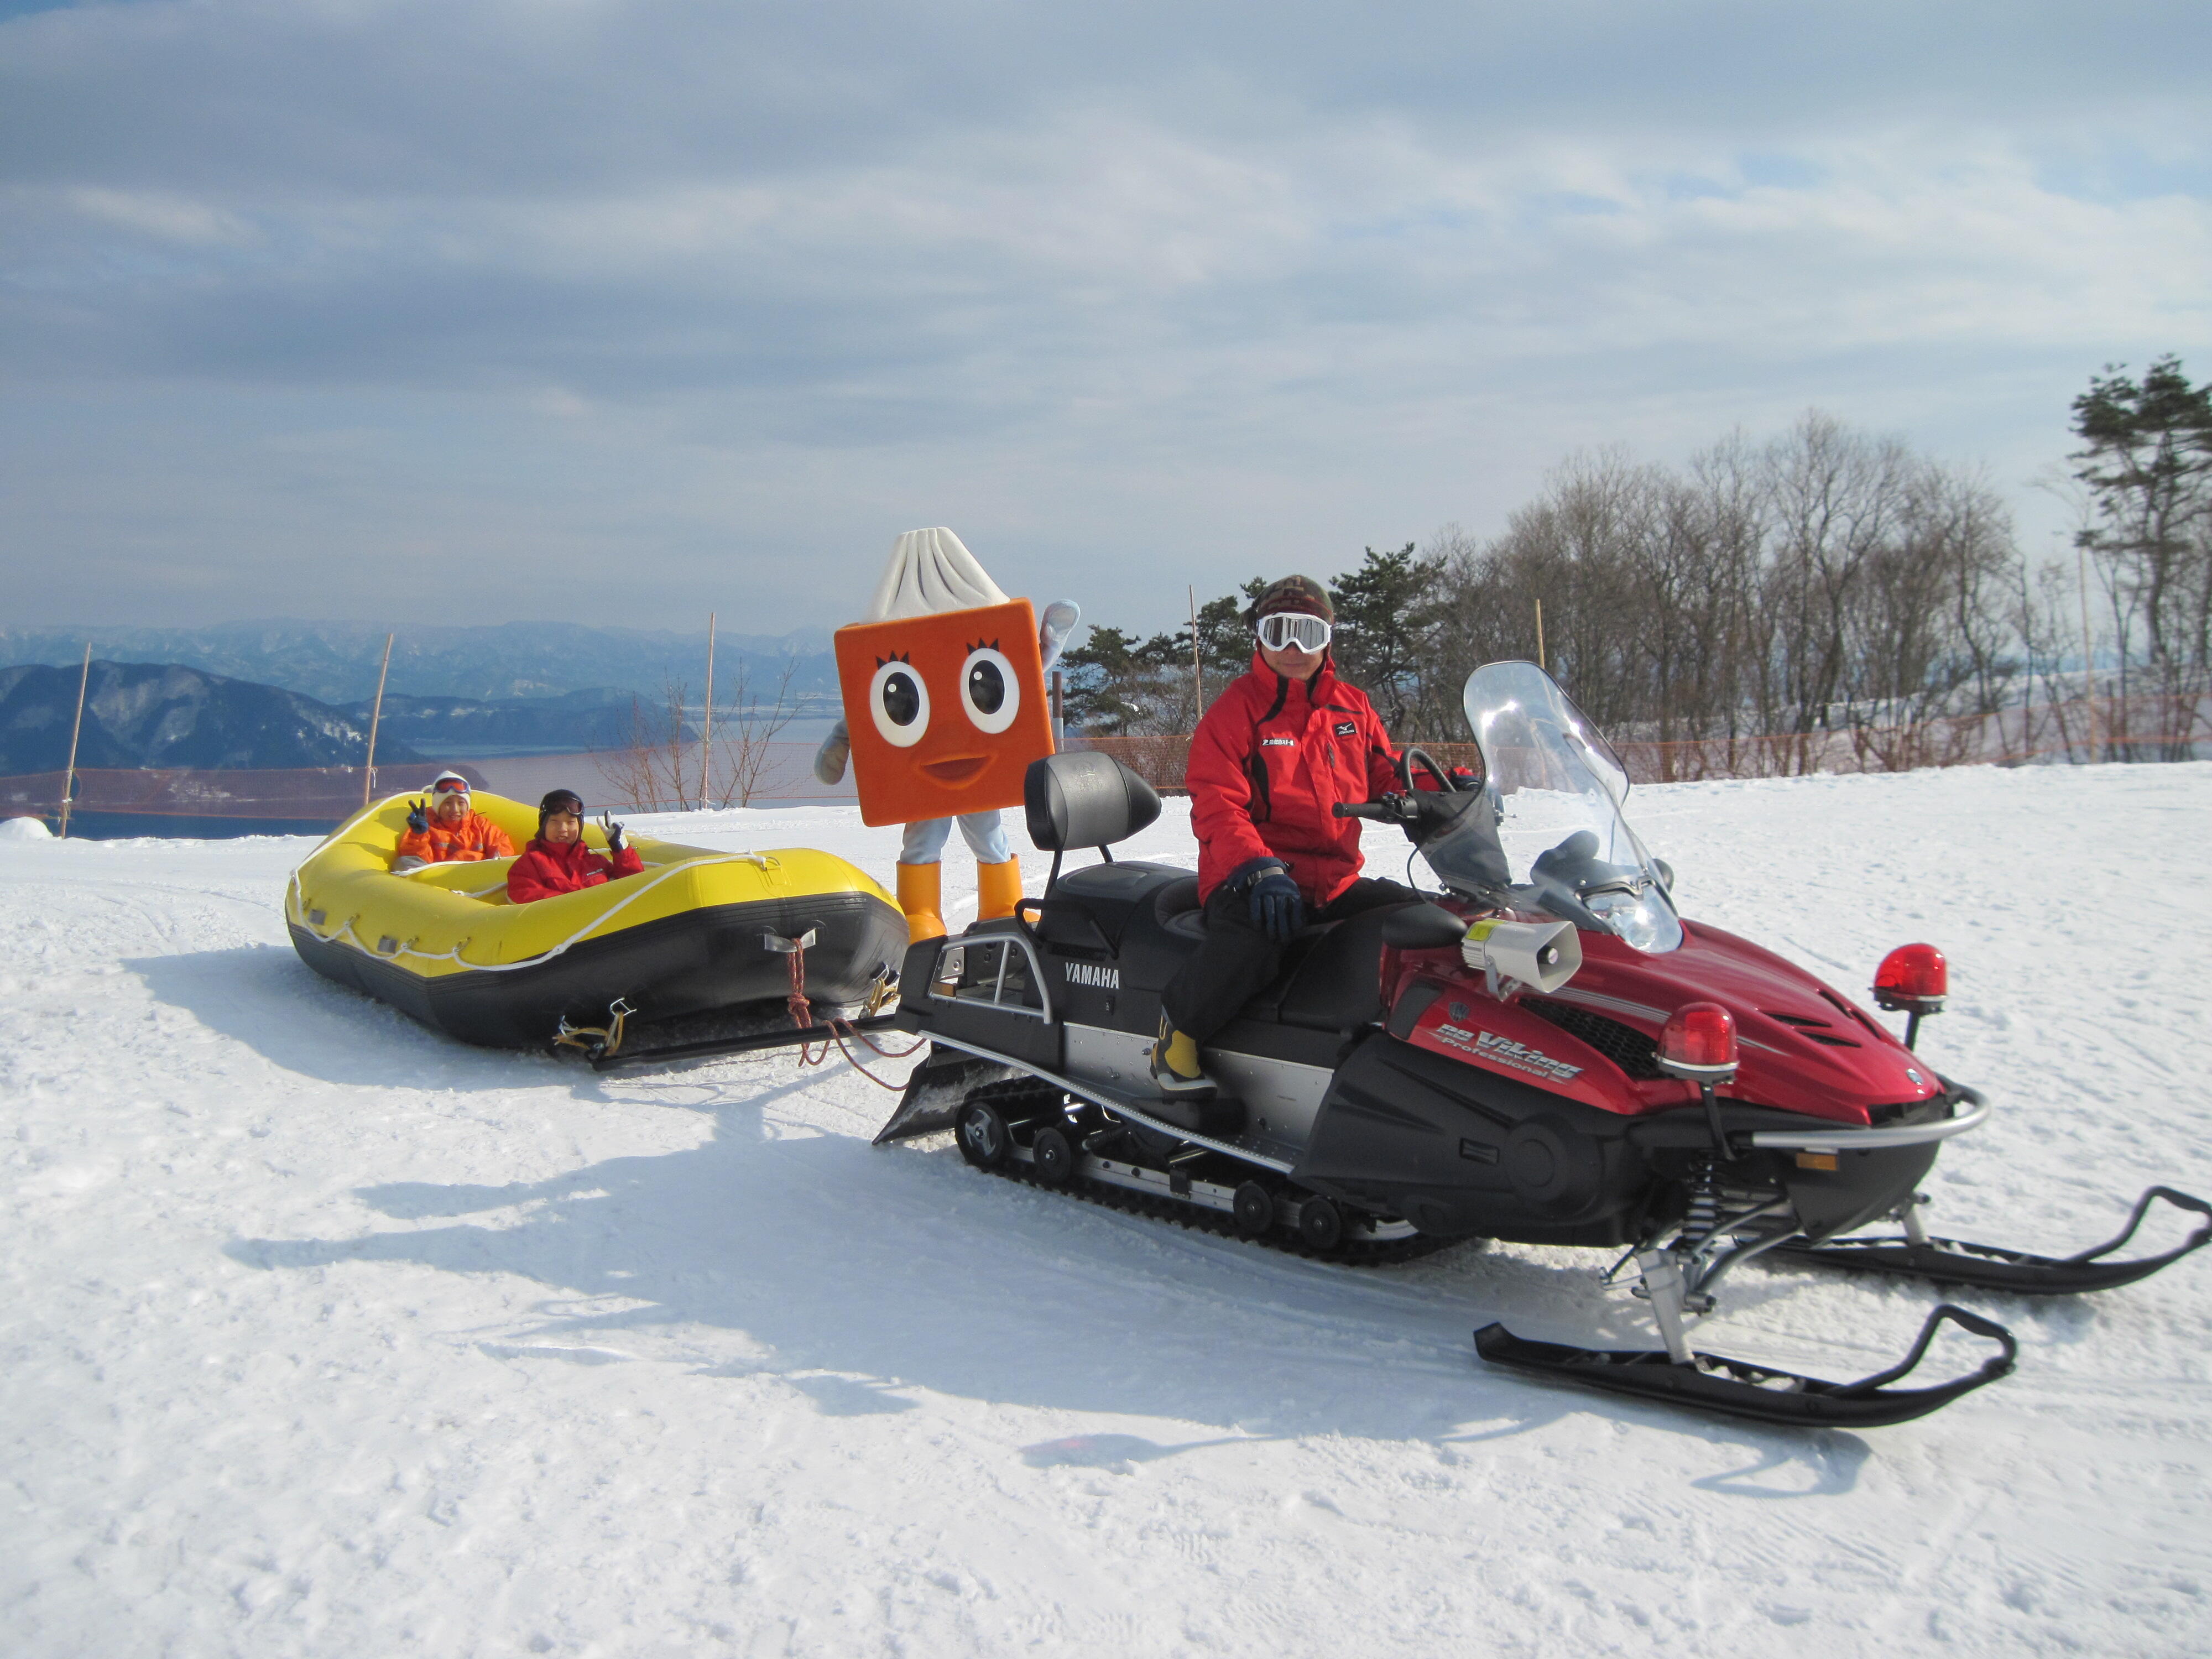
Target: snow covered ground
325, 1335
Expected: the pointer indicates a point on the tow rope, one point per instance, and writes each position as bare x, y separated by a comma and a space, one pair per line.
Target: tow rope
802, 1017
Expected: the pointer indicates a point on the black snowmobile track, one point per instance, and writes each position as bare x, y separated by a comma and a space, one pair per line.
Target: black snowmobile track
1038, 1097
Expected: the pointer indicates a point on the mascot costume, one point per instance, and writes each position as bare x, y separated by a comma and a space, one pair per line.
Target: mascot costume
943, 688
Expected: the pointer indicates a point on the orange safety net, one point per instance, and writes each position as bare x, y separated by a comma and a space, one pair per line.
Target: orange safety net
297, 793
2140, 728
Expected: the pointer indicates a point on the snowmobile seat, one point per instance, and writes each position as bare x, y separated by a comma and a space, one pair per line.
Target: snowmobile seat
1330, 980
1175, 908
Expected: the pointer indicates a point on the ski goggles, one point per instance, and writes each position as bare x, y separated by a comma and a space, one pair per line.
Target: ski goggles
450, 787
1280, 629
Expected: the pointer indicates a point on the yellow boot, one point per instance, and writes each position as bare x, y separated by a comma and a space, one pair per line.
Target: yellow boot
920, 896
998, 889
1176, 1070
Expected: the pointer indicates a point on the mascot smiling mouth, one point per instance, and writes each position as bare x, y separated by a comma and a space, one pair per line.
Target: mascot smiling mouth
958, 770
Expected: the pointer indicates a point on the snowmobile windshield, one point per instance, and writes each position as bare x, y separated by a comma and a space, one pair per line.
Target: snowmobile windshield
1557, 786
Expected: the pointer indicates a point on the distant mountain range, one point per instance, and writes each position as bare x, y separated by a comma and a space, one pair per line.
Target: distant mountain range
337, 662
602, 718
139, 715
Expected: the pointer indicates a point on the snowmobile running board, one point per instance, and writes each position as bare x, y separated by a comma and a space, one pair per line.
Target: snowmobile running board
789, 1036
1735, 1388
1987, 1267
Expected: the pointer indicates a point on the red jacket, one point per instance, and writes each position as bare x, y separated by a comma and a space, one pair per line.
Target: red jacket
475, 838
1269, 760
544, 871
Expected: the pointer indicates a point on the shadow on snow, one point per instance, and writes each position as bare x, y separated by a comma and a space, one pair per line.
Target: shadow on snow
862, 1272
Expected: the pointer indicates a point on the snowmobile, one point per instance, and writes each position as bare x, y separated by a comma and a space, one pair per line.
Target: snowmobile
1543, 1053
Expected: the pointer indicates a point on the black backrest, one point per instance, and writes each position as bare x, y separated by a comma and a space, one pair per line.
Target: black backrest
1084, 800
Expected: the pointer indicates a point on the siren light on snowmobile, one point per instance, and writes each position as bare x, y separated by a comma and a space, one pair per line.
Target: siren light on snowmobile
1699, 1042
1912, 979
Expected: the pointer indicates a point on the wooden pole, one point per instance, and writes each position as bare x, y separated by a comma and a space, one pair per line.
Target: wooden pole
2089, 653
68, 772
375, 713
1197, 666
706, 718
1541, 661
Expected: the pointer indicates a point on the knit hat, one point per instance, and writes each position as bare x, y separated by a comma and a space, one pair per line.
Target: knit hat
1295, 593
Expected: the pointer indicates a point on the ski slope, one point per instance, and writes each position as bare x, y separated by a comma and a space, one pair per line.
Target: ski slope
325, 1335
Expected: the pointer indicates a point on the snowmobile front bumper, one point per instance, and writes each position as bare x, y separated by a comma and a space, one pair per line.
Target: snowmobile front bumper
1844, 1137
1735, 1388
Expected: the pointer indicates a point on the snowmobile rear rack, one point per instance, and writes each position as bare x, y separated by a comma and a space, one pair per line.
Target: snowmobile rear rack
1989, 1267
922, 1111
1735, 1388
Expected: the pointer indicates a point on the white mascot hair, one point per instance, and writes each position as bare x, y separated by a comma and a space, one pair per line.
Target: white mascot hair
931, 571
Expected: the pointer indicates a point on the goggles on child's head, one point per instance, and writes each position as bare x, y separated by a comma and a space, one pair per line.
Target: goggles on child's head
450, 787
1281, 629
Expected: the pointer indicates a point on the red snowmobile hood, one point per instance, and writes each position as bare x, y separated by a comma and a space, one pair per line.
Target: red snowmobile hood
1802, 1046
1805, 1046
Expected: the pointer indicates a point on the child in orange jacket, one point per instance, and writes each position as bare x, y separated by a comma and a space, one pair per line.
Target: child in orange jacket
447, 830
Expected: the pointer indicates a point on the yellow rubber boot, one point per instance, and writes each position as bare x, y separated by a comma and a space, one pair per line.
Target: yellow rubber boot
1176, 1070
998, 889
921, 895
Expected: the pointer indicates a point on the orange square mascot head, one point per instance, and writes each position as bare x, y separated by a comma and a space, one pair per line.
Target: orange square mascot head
943, 688
945, 710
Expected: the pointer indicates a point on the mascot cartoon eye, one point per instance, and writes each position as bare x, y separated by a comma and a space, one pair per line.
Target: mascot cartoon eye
899, 700
988, 688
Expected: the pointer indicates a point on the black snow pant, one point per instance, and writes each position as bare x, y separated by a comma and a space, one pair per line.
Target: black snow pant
1238, 958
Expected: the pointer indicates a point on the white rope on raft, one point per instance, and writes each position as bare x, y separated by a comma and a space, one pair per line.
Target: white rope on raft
346, 934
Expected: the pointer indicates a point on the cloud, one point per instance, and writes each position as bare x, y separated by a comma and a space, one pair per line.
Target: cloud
700, 288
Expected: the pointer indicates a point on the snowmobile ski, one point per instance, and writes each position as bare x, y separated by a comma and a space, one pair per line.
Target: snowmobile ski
1989, 1267
1735, 1388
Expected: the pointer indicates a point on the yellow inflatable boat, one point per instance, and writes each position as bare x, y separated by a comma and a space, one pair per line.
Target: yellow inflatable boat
698, 931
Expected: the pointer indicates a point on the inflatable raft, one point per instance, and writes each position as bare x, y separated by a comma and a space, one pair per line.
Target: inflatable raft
699, 931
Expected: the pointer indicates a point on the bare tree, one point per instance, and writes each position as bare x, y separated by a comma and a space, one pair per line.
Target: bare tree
749, 731
655, 770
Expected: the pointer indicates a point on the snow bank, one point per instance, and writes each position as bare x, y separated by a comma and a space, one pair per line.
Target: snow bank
24, 828
324, 1335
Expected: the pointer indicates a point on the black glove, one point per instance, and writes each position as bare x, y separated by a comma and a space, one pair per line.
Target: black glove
613, 833
418, 818
1279, 910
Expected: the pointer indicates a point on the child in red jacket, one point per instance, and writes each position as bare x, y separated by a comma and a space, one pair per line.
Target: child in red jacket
557, 861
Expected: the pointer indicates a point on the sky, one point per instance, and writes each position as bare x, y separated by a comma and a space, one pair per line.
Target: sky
619, 311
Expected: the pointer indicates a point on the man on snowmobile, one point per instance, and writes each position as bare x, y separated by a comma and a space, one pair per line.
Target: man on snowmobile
1278, 749
447, 829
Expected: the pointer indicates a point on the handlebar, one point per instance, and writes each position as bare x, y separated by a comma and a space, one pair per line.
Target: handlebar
1391, 809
